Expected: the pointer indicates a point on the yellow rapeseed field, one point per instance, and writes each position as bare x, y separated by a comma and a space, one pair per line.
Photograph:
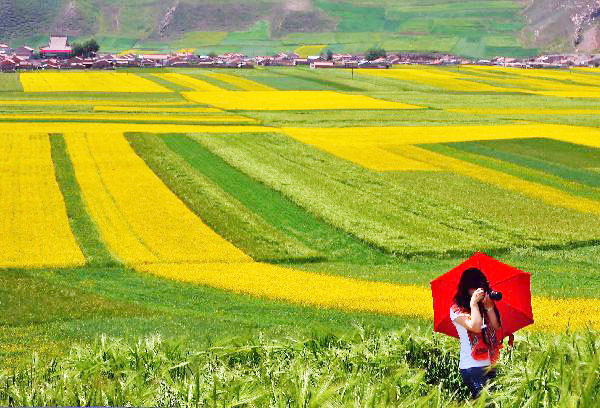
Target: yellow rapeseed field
569, 76
292, 285
434, 77
360, 145
542, 192
313, 289
189, 82
138, 217
34, 229
546, 82
88, 102
82, 127
555, 314
291, 100
87, 82
154, 109
525, 111
239, 82
538, 82
309, 50
129, 118
410, 135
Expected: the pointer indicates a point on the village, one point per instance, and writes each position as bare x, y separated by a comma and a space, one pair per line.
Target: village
58, 54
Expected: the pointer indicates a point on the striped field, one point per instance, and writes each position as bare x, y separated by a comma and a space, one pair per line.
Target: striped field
34, 229
207, 202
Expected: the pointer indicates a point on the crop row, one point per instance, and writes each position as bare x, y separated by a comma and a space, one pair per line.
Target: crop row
34, 229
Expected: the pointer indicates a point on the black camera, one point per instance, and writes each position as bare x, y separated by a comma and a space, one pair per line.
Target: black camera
496, 296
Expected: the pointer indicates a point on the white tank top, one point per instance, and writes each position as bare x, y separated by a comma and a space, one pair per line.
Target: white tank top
466, 360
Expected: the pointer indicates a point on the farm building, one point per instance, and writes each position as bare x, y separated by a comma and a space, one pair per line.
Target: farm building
25, 52
8, 65
58, 47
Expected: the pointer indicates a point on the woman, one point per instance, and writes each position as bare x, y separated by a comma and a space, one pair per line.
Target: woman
479, 328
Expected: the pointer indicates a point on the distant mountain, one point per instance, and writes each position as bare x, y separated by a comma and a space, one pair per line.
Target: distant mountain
475, 28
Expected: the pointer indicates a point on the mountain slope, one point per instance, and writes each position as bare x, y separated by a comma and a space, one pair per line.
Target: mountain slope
476, 28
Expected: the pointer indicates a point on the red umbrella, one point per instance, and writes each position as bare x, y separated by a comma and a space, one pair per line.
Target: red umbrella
514, 308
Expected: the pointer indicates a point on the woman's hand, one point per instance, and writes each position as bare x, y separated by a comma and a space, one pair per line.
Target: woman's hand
477, 296
487, 301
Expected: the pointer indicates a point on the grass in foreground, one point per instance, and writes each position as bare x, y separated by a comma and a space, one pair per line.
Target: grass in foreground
81, 304
365, 368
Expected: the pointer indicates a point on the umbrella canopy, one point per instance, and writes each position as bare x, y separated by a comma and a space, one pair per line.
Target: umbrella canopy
515, 285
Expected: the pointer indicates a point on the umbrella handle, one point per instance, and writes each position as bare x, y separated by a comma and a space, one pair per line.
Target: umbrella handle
511, 340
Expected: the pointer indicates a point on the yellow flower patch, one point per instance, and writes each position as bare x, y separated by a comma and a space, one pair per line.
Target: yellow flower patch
34, 229
239, 82
138, 217
525, 111
189, 82
410, 135
65, 127
434, 77
555, 314
542, 192
292, 285
313, 289
87, 82
548, 82
90, 102
154, 109
131, 118
291, 100
362, 145
309, 50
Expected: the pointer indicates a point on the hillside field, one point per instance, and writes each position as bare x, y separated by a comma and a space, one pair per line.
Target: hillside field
278, 220
477, 29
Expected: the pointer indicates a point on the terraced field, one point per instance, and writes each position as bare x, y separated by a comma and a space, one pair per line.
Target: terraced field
477, 29
281, 200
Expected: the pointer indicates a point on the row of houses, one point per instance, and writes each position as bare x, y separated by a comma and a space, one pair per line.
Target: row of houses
58, 55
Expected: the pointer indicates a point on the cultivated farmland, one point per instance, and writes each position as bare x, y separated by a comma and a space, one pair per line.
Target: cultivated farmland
274, 204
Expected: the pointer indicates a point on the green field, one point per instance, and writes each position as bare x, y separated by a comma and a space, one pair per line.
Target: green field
274, 191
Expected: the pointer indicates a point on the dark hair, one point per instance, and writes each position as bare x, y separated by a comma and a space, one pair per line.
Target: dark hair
472, 278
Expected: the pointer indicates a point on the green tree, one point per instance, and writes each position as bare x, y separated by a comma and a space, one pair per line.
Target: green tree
327, 54
374, 53
87, 49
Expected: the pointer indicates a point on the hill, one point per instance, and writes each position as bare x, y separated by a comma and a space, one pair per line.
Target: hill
478, 28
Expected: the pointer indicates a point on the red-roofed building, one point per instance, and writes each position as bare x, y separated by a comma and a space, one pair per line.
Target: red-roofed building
57, 47
8, 65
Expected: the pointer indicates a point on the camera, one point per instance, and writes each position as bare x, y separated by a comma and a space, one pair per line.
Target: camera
496, 296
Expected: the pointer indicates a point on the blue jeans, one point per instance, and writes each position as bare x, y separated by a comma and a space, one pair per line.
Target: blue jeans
477, 377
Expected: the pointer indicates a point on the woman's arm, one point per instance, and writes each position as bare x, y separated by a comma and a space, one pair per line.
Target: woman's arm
473, 323
490, 313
